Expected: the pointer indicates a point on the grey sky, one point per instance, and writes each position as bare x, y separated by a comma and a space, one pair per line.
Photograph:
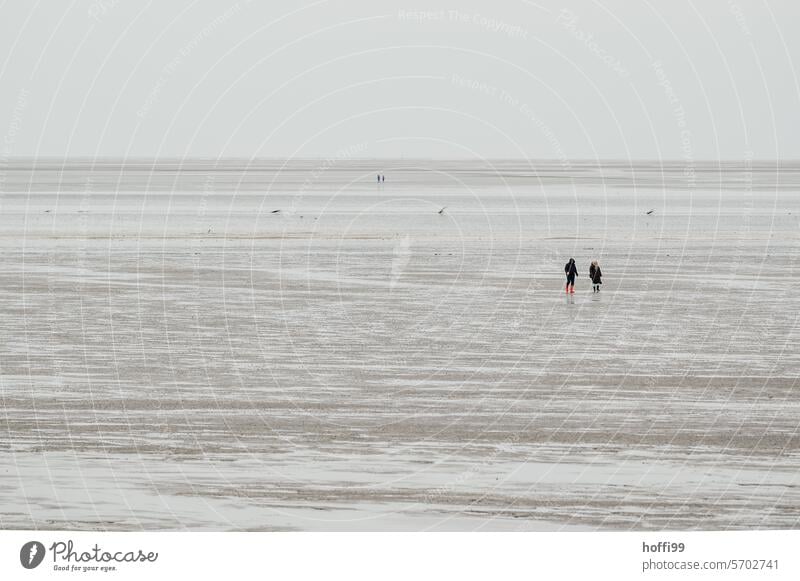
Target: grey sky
578, 79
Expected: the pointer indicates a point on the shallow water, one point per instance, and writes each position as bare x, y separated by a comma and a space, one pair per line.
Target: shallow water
176, 355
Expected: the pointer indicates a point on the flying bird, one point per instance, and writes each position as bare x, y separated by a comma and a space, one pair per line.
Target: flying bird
442, 210
275, 212
649, 212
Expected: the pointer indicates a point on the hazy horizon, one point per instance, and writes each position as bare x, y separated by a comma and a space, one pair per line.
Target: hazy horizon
510, 80
565, 162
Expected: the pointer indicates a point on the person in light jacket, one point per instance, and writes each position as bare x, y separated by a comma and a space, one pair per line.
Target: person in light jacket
596, 275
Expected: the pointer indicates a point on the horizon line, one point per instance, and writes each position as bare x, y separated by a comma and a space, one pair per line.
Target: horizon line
339, 158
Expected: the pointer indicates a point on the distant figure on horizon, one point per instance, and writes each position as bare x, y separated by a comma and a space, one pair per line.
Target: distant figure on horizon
596, 275
383, 178
571, 271
379, 178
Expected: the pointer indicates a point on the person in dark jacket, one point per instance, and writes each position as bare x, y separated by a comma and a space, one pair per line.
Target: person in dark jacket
571, 272
596, 275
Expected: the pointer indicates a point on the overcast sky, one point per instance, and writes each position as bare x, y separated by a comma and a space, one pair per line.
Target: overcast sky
509, 78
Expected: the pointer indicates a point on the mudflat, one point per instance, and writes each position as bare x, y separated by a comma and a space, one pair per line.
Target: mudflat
292, 346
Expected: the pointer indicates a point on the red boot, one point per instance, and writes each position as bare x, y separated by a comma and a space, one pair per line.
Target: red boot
572, 290
566, 289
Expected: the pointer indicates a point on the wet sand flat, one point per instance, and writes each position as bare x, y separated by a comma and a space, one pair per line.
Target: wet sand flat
294, 347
